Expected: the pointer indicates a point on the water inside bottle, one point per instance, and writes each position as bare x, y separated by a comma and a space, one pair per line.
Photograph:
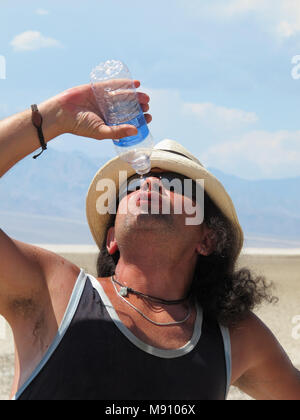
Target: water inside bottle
136, 150
139, 160
143, 131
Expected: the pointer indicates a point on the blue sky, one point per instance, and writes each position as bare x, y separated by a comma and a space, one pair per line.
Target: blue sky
218, 72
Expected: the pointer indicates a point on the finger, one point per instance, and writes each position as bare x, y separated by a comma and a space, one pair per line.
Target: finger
148, 118
143, 98
137, 84
117, 131
145, 108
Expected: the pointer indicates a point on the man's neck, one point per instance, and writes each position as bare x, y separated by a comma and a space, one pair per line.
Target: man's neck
155, 276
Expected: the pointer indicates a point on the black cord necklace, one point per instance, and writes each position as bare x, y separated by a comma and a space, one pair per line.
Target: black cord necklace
124, 291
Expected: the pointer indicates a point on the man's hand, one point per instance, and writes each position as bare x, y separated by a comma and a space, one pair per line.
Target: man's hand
80, 114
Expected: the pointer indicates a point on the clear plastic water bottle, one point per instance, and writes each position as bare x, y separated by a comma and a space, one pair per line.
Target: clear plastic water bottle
118, 103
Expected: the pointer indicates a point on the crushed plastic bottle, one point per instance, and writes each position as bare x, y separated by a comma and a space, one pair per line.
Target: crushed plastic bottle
118, 103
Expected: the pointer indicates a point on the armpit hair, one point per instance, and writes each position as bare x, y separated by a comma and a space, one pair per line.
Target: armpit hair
23, 307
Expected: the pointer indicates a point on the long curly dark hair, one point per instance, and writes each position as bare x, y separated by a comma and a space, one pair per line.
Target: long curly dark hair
226, 293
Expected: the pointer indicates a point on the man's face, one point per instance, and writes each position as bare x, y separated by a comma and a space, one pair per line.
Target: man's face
159, 205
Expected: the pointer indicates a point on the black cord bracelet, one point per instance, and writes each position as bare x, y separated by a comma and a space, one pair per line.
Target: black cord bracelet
37, 121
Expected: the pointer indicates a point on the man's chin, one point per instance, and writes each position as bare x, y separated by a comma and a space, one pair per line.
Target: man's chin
146, 220
147, 228
160, 223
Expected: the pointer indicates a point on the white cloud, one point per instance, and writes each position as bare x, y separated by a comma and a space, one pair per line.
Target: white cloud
42, 12
195, 124
286, 29
289, 24
232, 8
282, 16
225, 138
220, 114
225, 8
33, 40
168, 101
279, 17
258, 154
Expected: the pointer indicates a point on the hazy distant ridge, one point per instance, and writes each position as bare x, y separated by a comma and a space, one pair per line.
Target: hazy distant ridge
54, 188
266, 207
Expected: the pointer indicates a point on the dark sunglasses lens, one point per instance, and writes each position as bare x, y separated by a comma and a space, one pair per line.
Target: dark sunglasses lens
171, 181
179, 184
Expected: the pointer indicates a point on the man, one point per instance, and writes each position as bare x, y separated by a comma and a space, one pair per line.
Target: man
168, 317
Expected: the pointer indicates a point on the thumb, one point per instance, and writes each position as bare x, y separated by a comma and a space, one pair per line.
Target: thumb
117, 131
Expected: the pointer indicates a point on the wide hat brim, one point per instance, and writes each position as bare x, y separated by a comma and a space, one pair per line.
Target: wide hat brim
170, 156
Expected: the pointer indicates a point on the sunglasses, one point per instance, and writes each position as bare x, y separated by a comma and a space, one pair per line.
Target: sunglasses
170, 181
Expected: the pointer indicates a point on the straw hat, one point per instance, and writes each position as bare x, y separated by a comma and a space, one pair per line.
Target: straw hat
170, 156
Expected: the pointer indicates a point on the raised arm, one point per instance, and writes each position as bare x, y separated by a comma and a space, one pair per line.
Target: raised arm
73, 111
24, 268
261, 367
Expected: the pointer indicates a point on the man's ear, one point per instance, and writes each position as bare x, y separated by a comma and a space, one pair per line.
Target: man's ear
111, 242
207, 244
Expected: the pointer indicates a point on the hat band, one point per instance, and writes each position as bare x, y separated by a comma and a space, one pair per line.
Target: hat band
175, 153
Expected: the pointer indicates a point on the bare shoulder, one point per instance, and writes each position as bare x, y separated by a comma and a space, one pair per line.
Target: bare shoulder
48, 282
37, 300
51, 264
260, 366
250, 330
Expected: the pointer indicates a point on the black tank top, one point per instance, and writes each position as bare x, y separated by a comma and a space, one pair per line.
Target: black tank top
95, 357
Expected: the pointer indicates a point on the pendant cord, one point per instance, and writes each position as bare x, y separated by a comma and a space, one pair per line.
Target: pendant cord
149, 297
145, 316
